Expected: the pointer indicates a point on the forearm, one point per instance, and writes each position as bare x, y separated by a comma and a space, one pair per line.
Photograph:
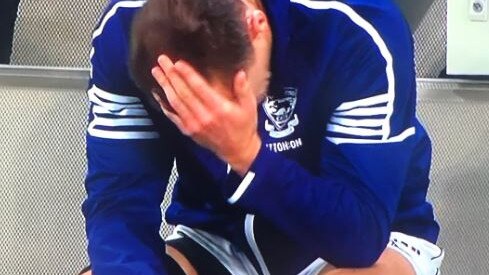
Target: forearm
125, 184
123, 225
118, 245
338, 215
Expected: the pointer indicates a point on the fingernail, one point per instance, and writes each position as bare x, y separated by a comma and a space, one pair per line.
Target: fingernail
156, 96
161, 58
166, 112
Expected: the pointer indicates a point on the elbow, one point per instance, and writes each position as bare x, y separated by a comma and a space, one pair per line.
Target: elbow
366, 252
361, 251
360, 243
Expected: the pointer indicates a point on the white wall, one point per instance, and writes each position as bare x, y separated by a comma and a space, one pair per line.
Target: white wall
468, 40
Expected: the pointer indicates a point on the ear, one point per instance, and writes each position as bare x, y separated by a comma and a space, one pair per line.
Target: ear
257, 22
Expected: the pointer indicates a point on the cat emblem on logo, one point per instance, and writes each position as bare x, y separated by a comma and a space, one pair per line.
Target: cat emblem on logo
280, 111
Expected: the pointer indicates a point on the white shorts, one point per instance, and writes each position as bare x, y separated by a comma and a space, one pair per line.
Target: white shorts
218, 256
425, 257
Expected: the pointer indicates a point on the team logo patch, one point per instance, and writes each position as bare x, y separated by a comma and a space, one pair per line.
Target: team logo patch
280, 112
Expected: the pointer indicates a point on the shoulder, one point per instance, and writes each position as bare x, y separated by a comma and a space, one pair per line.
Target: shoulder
110, 46
366, 51
115, 21
372, 17
353, 33
350, 8
119, 11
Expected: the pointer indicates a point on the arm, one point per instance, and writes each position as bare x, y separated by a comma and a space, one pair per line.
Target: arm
129, 162
344, 212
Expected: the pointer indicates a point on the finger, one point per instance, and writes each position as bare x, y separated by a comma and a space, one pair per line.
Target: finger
160, 97
181, 110
199, 85
172, 116
182, 90
162, 103
165, 63
177, 121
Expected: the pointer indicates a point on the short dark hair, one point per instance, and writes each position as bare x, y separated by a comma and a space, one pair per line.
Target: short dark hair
209, 34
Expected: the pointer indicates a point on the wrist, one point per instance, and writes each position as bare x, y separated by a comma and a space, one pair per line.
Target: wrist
242, 160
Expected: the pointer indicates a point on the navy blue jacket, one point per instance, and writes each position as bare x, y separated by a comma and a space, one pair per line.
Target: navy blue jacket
344, 159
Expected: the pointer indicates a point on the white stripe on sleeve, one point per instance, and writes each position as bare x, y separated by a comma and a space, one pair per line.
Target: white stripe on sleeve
113, 97
118, 116
358, 20
372, 111
357, 122
354, 131
117, 122
399, 138
124, 112
111, 106
122, 134
370, 101
242, 188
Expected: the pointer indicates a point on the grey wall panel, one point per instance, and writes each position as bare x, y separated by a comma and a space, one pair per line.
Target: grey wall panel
457, 120
42, 166
430, 40
42, 163
57, 33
